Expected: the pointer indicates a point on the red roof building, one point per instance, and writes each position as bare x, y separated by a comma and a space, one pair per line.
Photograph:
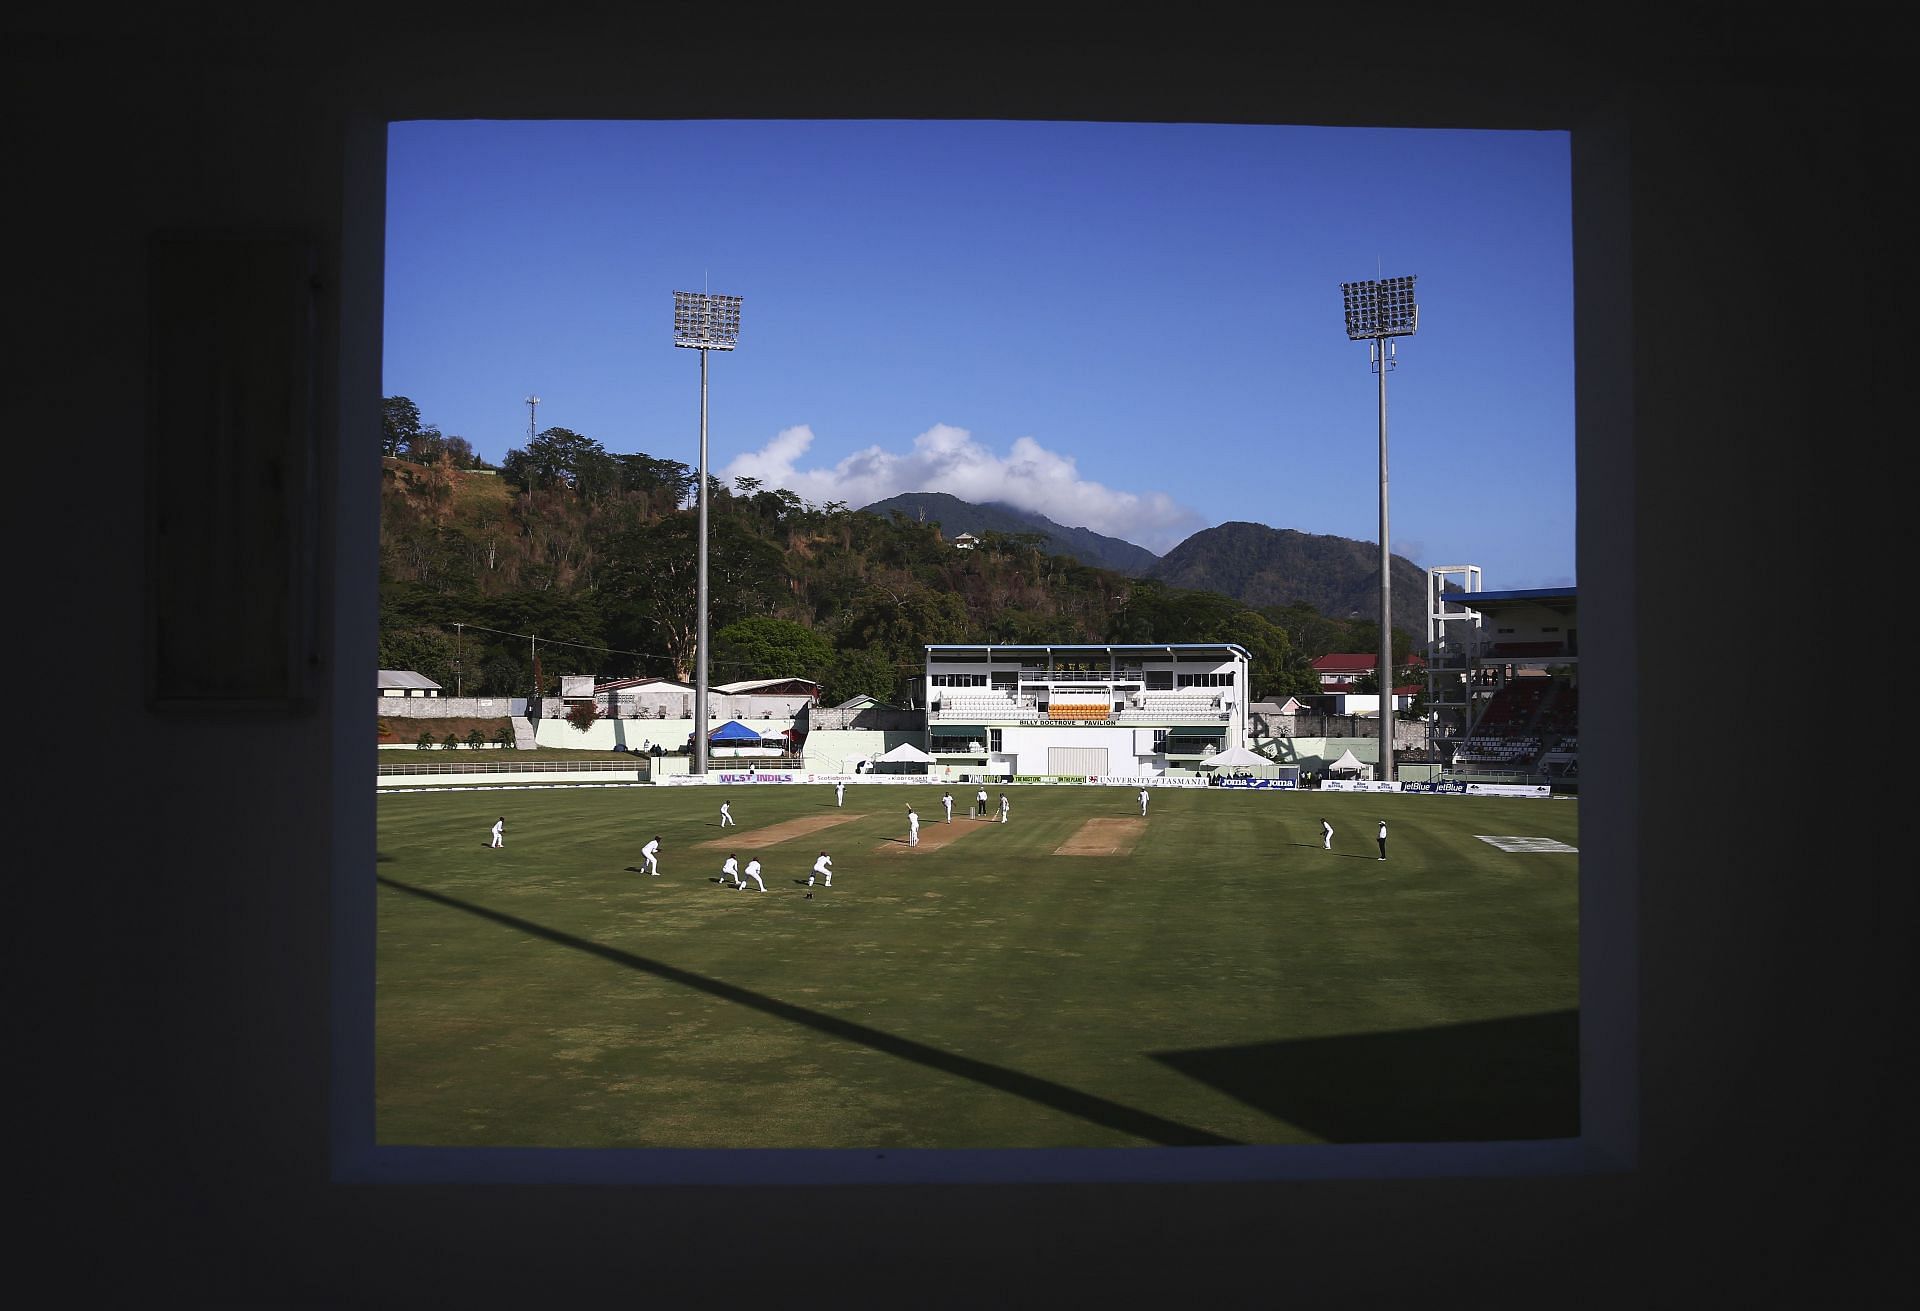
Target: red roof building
1338, 670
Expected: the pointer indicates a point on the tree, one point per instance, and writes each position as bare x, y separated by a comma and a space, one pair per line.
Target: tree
764, 647
666, 482
1154, 612
460, 451
649, 577
862, 672
426, 445
501, 675
517, 468
560, 457
901, 622
422, 648
474, 739
504, 734
425, 742
399, 424
582, 715
451, 743
594, 474
1364, 634
1312, 633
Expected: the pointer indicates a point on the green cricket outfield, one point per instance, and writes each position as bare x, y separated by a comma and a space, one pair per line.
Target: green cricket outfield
1076, 977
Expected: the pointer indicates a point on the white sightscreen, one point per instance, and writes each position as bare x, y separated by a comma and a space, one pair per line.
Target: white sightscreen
1077, 760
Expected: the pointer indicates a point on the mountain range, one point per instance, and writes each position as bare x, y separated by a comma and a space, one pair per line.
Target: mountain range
1338, 576
956, 516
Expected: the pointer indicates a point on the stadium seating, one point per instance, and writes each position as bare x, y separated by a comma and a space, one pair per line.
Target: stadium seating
1159, 705
1142, 708
1528, 725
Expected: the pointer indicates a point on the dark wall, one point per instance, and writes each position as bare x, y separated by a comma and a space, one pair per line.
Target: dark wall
179, 1038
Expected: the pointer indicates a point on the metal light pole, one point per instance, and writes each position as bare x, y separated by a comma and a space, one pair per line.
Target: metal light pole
704, 323
532, 402
1376, 312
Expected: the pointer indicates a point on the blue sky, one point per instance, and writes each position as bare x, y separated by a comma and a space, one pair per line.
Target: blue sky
1134, 328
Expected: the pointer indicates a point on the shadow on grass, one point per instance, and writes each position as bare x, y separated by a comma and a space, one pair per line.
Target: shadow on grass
1486, 1081
1045, 1092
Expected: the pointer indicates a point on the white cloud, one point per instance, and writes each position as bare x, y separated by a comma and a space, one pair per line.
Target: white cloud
947, 459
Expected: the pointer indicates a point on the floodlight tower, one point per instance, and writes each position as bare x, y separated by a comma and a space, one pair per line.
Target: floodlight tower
532, 401
1377, 312
703, 322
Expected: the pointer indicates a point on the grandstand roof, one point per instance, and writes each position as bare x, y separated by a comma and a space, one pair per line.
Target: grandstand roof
407, 678
1356, 662
1555, 596
628, 684
1088, 646
762, 684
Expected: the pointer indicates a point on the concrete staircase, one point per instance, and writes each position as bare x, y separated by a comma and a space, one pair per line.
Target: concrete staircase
522, 733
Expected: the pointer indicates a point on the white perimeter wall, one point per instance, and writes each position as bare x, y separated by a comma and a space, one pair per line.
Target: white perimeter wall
834, 751
623, 734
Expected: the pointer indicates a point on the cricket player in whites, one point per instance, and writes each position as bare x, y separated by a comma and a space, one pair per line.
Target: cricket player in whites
840, 792
947, 801
650, 856
1005, 806
726, 815
822, 868
913, 828
730, 872
1143, 803
753, 872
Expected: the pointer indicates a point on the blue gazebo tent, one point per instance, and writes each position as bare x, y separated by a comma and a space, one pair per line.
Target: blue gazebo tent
734, 732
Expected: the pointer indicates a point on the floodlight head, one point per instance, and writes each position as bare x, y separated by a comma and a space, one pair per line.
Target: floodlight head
1384, 308
705, 322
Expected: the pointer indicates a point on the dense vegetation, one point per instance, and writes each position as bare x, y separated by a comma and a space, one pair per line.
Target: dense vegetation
586, 561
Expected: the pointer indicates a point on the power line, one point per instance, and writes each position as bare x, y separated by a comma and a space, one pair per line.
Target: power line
608, 650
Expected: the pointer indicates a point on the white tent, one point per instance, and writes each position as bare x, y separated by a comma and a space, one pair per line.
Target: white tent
905, 753
1349, 764
1236, 757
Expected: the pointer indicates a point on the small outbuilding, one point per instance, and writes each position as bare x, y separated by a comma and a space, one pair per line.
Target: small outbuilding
407, 682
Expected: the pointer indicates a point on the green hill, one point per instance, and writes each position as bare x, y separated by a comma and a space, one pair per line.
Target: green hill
1262, 566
